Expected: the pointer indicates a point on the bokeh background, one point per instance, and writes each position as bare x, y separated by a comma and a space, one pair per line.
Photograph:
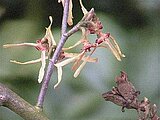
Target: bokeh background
134, 23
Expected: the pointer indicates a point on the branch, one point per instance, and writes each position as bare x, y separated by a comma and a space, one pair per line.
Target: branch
55, 57
15, 103
125, 95
61, 43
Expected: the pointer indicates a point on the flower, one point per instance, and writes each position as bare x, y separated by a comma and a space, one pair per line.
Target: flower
88, 25
72, 57
104, 40
45, 45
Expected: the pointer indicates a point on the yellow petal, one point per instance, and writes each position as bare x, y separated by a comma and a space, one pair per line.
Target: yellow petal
41, 71
117, 46
28, 62
84, 10
113, 50
20, 44
77, 62
67, 61
59, 70
76, 44
69, 55
70, 15
49, 35
90, 59
25, 63
80, 68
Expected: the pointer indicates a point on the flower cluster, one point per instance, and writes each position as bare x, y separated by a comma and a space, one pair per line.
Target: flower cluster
104, 40
47, 45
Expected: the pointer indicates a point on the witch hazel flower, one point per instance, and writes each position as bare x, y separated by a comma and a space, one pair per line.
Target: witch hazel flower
74, 58
89, 25
45, 45
110, 42
79, 60
94, 26
103, 40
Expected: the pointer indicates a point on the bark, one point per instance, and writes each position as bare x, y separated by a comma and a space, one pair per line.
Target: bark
18, 105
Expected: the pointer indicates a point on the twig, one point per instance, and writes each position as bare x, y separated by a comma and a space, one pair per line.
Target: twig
54, 58
63, 39
18, 105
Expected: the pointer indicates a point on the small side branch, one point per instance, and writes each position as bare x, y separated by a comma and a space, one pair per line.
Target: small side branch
55, 57
18, 105
64, 37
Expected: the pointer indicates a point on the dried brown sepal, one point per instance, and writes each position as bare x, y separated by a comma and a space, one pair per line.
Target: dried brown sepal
126, 88
125, 95
147, 111
119, 100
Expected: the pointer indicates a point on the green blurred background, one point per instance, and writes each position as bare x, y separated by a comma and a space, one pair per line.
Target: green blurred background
134, 23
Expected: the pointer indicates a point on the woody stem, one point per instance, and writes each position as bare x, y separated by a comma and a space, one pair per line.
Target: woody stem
64, 37
50, 68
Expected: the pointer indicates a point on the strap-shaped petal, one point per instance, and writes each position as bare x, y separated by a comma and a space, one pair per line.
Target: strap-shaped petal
69, 55
84, 10
59, 70
117, 46
70, 15
73, 46
49, 35
77, 72
41, 71
20, 44
67, 61
113, 50
28, 62
77, 62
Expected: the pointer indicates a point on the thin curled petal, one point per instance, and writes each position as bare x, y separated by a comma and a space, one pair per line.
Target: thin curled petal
59, 70
50, 32
20, 44
69, 55
113, 50
77, 62
41, 71
73, 46
117, 46
28, 62
49, 35
67, 61
77, 72
70, 15
84, 10
61, 64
